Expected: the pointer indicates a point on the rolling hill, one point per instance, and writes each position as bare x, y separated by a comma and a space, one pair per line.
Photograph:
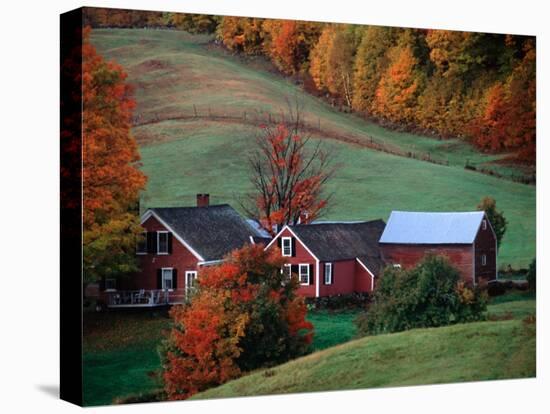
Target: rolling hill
198, 111
468, 352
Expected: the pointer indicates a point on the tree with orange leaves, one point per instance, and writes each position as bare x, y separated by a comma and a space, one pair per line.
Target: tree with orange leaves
289, 174
243, 315
111, 180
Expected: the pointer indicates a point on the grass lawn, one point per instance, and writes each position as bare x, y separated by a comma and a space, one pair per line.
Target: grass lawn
120, 349
466, 352
174, 71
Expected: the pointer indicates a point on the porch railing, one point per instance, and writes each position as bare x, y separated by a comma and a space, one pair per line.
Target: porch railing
144, 297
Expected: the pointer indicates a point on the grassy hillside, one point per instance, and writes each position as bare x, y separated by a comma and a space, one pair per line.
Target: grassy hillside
176, 73
469, 352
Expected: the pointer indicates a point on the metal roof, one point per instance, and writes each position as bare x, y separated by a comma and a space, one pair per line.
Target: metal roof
410, 227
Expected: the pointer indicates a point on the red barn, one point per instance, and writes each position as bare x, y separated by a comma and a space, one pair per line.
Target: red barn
177, 243
332, 258
466, 238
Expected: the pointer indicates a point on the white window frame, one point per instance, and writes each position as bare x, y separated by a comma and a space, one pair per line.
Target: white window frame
194, 275
483, 260
111, 289
287, 270
171, 289
289, 239
329, 266
306, 265
484, 224
158, 242
138, 252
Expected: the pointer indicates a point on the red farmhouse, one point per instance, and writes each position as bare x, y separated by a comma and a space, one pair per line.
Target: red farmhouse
467, 239
177, 242
332, 258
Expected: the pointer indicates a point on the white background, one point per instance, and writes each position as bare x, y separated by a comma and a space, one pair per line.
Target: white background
29, 235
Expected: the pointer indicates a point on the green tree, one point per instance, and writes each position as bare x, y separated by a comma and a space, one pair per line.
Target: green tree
496, 218
428, 295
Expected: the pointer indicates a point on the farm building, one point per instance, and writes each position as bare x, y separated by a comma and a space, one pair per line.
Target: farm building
332, 258
466, 238
177, 242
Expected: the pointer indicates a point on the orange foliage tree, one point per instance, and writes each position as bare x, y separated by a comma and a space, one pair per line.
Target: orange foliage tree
111, 179
243, 315
289, 174
399, 87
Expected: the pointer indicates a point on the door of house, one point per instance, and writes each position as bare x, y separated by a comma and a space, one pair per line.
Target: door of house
190, 277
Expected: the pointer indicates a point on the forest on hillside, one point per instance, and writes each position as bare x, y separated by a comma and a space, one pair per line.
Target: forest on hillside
479, 87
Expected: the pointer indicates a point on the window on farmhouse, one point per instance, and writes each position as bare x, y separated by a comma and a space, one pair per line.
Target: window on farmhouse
304, 274
328, 273
110, 284
287, 270
287, 246
483, 259
167, 280
484, 224
141, 247
162, 242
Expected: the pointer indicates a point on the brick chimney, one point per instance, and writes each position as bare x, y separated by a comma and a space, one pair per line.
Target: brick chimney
203, 200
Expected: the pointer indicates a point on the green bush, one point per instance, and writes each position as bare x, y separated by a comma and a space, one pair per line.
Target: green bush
429, 295
532, 276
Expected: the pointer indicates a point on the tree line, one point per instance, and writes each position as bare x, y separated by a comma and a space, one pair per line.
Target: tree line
480, 87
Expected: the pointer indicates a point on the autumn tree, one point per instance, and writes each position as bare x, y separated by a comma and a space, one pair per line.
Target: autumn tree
288, 42
370, 64
195, 23
496, 217
397, 93
242, 34
111, 180
244, 315
289, 173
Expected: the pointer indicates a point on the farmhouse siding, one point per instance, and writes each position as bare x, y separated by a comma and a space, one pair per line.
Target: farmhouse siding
408, 255
485, 244
180, 259
343, 276
300, 255
364, 281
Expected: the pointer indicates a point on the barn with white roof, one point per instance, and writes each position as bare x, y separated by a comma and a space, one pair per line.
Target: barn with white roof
466, 238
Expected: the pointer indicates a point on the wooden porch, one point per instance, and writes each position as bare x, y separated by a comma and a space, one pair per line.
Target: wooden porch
144, 298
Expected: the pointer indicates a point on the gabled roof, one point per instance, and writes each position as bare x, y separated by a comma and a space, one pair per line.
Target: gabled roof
341, 241
408, 227
211, 231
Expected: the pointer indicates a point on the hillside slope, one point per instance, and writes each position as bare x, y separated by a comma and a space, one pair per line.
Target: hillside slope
179, 74
468, 352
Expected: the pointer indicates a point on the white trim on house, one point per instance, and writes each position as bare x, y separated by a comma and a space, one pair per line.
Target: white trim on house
289, 240
368, 270
210, 262
300, 265
162, 269
159, 232
329, 265
297, 238
194, 275
317, 284
150, 213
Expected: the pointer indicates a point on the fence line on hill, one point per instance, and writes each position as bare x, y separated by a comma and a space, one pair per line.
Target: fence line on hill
259, 118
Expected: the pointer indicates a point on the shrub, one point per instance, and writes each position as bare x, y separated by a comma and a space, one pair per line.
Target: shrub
429, 295
348, 301
244, 315
532, 276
